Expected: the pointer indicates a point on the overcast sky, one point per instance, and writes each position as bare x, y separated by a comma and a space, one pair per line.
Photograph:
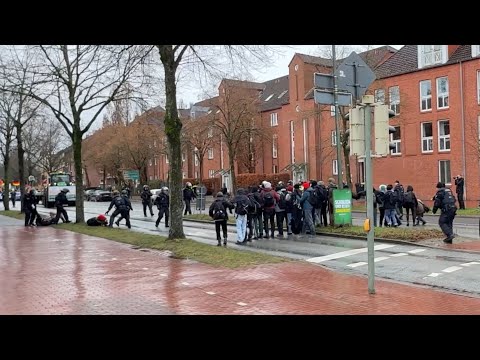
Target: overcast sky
188, 93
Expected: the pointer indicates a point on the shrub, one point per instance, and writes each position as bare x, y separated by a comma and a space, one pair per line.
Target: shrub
247, 180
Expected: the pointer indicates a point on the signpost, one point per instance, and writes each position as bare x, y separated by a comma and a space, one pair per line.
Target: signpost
200, 202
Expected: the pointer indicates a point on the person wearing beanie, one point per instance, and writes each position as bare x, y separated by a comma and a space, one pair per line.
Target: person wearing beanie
445, 201
100, 220
269, 198
218, 212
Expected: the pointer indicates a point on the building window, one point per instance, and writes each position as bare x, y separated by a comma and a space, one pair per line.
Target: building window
274, 119
269, 97
292, 142
425, 95
443, 135
332, 110
196, 159
282, 93
396, 139
210, 153
335, 167
275, 169
196, 174
334, 138
475, 50
151, 177
155, 161
394, 97
210, 133
166, 159
183, 156
211, 173
150, 162
184, 175
431, 55
274, 146
478, 86
442, 93
444, 171
380, 96
427, 137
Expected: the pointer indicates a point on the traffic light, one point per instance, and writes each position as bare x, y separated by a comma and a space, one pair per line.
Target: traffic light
356, 131
382, 114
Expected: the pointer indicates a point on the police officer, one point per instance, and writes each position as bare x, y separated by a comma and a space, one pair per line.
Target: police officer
163, 203
188, 196
445, 201
146, 196
125, 212
60, 200
29, 207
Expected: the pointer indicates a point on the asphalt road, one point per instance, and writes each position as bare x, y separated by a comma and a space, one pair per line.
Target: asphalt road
451, 270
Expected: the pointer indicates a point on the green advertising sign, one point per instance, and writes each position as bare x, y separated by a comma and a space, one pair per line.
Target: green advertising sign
342, 207
131, 174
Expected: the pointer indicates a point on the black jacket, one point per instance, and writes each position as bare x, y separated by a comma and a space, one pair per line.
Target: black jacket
441, 201
61, 199
95, 222
162, 201
226, 204
459, 182
188, 194
146, 196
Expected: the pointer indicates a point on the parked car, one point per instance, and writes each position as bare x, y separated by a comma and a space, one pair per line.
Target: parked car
101, 195
155, 193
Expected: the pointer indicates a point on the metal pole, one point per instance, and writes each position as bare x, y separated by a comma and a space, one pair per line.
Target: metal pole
337, 125
369, 197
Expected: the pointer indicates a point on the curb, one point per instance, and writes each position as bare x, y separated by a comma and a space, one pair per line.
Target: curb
346, 236
433, 215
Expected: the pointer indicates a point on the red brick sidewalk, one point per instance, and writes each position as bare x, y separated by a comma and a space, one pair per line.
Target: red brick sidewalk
50, 271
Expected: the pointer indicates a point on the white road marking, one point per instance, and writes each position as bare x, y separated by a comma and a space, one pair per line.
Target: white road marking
381, 258
346, 253
398, 254
354, 265
416, 251
210, 292
470, 263
452, 269
185, 283
434, 274
242, 304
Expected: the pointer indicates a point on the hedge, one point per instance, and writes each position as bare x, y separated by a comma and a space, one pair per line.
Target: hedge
212, 184
247, 180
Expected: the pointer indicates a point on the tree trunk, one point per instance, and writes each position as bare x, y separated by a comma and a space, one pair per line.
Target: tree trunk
200, 174
143, 175
86, 176
346, 157
21, 162
6, 192
104, 178
231, 162
77, 160
173, 128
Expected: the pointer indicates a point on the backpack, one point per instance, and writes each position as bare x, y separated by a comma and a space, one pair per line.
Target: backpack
316, 198
408, 198
219, 212
448, 200
242, 207
254, 205
268, 200
119, 201
282, 204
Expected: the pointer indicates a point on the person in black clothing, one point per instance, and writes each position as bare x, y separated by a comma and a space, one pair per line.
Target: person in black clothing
218, 212
13, 196
188, 196
146, 196
60, 200
445, 201
253, 210
163, 204
125, 213
29, 208
410, 204
380, 197
460, 184
99, 220
399, 191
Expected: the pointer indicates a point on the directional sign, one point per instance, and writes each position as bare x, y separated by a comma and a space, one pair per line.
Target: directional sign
326, 97
323, 81
131, 174
354, 75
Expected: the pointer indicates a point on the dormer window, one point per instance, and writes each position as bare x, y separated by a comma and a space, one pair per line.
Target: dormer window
475, 50
269, 97
282, 93
429, 55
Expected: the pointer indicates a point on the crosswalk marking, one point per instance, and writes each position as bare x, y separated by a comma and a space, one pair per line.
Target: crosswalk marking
381, 258
346, 253
354, 265
398, 254
452, 269
416, 251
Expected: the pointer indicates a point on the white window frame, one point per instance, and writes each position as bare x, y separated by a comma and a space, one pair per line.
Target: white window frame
196, 174
396, 142
166, 159
151, 177
196, 162
274, 119
443, 96
275, 169
334, 167
210, 133
444, 143
425, 97
378, 98
475, 50
332, 110
478, 86
394, 104
447, 178
183, 156
210, 153
211, 173
150, 162
427, 139
184, 175
429, 55
334, 138
292, 141
275, 146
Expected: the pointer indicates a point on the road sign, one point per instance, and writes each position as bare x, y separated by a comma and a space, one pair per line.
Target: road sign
131, 174
323, 81
326, 97
354, 75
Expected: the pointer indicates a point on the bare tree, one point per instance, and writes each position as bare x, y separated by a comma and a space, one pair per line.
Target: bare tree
7, 135
202, 60
76, 83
